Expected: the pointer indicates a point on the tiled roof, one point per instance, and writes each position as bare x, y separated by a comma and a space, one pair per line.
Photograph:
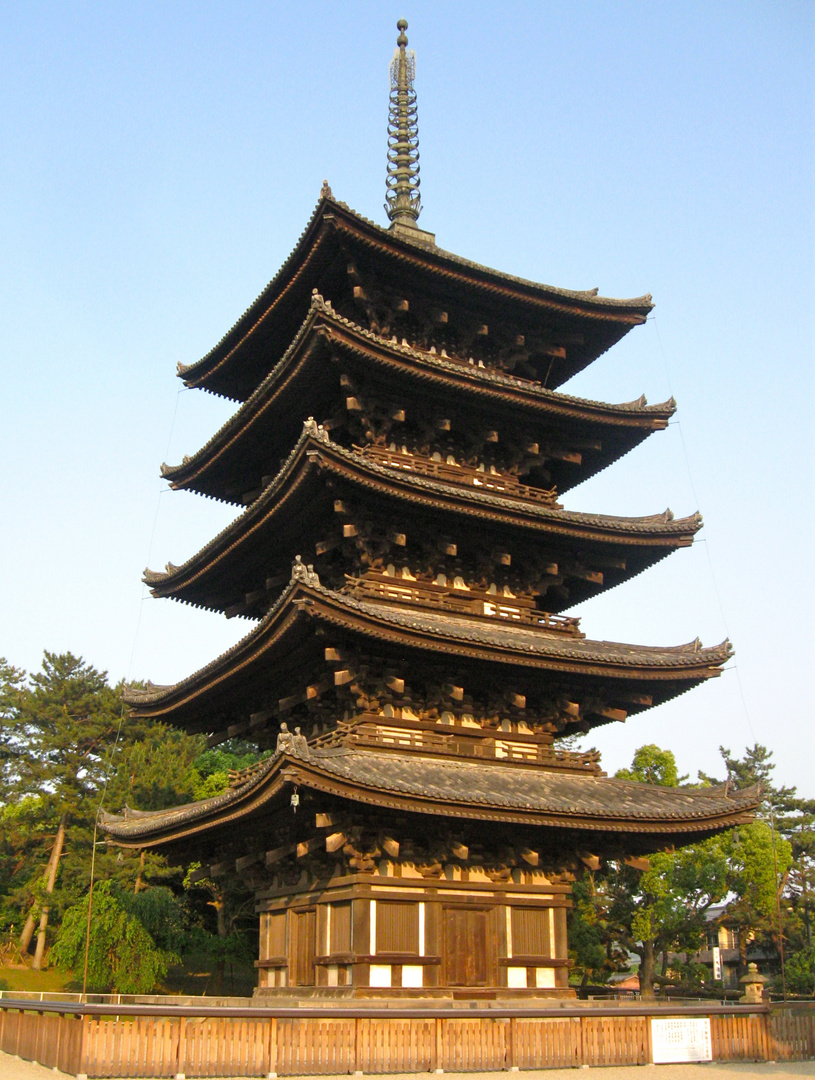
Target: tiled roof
457, 788
308, 452
450, 634
576, 302
529, 640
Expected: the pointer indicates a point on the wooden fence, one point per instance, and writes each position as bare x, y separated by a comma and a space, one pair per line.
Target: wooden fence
162, 1041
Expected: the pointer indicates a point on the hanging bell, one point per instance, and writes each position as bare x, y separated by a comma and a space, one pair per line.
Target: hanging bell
295, 801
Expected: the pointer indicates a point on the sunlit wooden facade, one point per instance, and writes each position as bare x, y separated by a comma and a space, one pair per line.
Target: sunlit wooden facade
401, 449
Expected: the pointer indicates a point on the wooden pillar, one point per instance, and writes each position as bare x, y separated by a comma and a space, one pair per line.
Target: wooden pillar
432, 939
560, 947
438, 1066
83, 1064
361, 916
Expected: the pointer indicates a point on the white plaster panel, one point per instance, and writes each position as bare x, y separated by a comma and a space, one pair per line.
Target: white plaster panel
412, 975
380, 975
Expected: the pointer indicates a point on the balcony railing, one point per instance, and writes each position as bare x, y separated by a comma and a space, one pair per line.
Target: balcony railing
482, 479
382, 733
461, 601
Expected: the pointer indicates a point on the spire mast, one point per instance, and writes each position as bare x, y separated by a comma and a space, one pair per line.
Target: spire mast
403, 202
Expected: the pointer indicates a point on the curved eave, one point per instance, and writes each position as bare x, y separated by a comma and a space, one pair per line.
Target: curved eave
213, 370
272, 405
301, 608
659, 531
481, 792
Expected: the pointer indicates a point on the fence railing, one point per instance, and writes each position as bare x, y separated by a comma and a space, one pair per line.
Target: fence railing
107, 1040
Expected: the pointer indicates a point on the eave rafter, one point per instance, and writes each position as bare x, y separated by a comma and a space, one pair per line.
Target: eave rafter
223, 370
623, 546
277, 653
562, 424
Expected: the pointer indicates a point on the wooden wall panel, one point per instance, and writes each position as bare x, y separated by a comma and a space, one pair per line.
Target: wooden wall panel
530, 931
341, 928
546, 1043
475, 1045
397, 927
302, 946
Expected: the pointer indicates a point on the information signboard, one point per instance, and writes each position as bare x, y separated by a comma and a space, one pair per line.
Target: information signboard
717, 963
681, 1039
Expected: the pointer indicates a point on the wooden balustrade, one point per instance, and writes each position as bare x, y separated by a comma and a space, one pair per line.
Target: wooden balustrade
499, 483
166, 1041
380, 733
477, 603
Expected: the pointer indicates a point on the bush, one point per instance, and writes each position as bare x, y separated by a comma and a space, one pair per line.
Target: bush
800, 972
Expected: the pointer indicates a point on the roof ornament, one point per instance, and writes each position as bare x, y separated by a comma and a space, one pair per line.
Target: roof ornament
325, 191
403, 202
301, 572
315, 430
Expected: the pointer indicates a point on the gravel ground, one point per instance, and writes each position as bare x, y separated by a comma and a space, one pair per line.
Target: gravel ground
12, 1068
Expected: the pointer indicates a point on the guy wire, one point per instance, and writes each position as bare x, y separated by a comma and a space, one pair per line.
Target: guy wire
115, 743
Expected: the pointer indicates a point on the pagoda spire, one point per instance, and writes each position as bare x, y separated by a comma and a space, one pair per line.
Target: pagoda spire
403, 202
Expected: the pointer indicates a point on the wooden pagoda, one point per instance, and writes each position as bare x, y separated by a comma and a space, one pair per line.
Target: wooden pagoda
401, 448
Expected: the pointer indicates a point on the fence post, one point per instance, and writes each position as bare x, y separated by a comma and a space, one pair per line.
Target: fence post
582, 1052
271, 1049
512, 1064
181, 1054
82, 1062
357, 1047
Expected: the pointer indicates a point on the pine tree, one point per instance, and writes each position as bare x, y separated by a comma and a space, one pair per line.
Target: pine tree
68, 721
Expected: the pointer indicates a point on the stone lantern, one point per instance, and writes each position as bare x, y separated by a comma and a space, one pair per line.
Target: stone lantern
753, 983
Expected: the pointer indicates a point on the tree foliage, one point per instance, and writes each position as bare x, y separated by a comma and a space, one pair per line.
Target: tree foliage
652, 765
761, 872
123, 954
65, 744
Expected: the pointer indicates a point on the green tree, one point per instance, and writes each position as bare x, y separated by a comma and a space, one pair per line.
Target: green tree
594, 951
123, 954
801, 972
662, 909
652, 765
68, 720
651, 912
772, 859
756, 767
12, 682
759, 861
797, 826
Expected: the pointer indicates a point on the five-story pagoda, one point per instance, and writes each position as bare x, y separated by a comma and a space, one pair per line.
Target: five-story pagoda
401, 449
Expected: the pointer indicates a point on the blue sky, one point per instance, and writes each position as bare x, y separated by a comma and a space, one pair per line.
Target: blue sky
159, 161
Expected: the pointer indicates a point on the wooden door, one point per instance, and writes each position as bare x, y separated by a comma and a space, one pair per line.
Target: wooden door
303, 939
465, 947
